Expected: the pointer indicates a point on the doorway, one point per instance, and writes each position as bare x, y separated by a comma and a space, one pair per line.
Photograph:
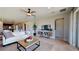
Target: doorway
59, 28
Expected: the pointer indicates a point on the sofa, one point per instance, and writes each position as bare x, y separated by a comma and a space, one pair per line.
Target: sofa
14, 36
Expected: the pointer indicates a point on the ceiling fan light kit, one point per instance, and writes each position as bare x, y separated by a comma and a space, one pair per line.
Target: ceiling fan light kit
28, 14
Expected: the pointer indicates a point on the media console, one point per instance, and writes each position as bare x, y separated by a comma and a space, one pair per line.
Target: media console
45, 33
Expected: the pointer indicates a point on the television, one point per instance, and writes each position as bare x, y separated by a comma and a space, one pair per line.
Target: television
46, 27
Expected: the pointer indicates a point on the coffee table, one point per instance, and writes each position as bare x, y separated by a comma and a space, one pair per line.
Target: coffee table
25, 44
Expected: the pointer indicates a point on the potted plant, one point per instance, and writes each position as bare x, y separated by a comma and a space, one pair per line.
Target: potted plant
34, 28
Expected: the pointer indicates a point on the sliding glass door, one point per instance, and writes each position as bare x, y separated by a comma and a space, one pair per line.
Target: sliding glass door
77, 29
74, 28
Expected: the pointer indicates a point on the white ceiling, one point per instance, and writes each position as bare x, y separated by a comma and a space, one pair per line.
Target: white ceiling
15, 14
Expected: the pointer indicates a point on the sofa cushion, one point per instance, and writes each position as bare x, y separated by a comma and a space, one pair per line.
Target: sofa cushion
19, 33
8, 34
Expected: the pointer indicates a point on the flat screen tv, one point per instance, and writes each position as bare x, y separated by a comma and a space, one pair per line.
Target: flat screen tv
46, 27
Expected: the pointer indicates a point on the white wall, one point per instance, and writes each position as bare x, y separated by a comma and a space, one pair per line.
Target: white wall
1, 26
51, 20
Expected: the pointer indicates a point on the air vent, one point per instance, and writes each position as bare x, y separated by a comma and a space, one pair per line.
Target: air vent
62, 10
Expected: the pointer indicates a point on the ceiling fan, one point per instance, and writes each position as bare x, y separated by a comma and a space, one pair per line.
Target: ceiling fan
29, 12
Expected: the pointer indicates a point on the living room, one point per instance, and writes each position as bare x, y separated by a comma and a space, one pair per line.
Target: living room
40, 22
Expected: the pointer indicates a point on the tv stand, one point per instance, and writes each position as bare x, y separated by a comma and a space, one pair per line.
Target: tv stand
45, 33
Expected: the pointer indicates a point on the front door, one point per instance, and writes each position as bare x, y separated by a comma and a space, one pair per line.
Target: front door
59, 30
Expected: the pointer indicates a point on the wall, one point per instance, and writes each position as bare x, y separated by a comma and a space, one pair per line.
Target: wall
1, 26
51, 20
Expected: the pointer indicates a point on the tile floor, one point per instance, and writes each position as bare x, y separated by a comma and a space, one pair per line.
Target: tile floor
45, 45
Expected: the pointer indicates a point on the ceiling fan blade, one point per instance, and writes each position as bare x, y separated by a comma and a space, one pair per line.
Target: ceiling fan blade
33, 12
28, 15
34, 15
24, 10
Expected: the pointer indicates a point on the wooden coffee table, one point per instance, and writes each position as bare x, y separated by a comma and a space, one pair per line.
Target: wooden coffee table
25, 45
